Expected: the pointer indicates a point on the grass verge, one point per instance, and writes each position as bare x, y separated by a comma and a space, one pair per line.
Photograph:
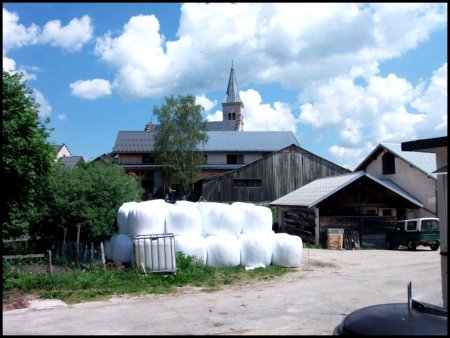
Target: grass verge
73, 285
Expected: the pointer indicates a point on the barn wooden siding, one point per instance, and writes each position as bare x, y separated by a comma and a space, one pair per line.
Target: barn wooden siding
271, 177
371, 229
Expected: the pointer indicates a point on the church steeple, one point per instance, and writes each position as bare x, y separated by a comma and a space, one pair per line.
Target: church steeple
232, 107
232, 89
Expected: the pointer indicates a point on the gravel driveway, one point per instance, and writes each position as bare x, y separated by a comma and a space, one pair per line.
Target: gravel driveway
311, 300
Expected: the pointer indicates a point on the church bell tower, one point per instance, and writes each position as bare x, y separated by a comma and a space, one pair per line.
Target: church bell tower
232, 107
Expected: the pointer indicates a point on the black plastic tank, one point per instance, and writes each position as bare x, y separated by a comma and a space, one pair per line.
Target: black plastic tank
397, 319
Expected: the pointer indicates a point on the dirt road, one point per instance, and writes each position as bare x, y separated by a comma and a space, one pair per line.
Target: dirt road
309, 301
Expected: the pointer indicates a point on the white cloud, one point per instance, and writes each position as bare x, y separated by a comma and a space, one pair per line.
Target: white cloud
378, 111
62, 117
71, 37
217, 116
9, 65
91, 89
44, 107
292, 44
263, 116
16, 35
434, 103
206, 103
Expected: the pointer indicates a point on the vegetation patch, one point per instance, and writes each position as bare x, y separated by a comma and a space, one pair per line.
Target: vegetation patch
73, 285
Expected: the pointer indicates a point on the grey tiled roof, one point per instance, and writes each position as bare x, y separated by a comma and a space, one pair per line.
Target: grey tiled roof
71, 161
134, 141
316, 191
236, 141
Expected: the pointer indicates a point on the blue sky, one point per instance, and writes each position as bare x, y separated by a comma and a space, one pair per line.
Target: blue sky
343, 77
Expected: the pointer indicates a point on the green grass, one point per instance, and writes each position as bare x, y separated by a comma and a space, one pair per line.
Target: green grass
76, 285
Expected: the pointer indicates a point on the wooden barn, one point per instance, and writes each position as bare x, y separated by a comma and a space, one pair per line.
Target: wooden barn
268, 178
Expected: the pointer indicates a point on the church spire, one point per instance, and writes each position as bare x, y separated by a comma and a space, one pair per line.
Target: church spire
232, 89
232, 107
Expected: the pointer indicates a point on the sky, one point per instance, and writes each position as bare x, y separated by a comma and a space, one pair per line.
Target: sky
343, 77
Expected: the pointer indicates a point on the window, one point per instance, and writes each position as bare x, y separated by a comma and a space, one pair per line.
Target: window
430, 225
411, 226
234, 116
235, 159
229, 116
386, 212
147, 159
388, 164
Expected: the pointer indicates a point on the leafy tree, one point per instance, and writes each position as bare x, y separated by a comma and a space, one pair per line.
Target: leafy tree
90, 195
177, 142
27, 157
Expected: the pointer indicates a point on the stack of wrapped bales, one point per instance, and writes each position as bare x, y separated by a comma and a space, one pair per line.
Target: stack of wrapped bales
217, 234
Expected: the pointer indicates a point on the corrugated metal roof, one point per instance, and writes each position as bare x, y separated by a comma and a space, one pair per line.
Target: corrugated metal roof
316, 191
219, 141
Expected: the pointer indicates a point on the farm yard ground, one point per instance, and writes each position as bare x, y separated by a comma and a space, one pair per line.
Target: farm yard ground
311, 300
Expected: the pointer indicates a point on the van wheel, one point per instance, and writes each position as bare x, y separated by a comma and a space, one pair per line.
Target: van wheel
412, 245
434, 247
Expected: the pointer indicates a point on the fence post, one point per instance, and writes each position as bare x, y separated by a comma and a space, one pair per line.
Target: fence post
78, 244
64, 245
50, 267
92, 254
103, 255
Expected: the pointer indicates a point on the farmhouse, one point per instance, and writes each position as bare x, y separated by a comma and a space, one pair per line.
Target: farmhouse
229, 148
64, 156
411, 170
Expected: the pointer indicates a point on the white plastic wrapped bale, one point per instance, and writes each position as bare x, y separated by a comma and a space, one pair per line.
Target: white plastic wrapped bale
108, 245
223, 251
192, 245
183, 220
220, 219
122, 249
186, 203
122, 217
147, 217
256, 250
155, 253
287, 250
256, 218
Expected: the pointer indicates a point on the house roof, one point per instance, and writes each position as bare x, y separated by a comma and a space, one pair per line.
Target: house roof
316, 191
71, 161
424, 162
219, 141
425, 144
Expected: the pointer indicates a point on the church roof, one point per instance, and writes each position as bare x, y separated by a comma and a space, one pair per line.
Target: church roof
232, 89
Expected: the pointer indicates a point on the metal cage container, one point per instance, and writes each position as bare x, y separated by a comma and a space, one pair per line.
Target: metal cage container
155, 252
